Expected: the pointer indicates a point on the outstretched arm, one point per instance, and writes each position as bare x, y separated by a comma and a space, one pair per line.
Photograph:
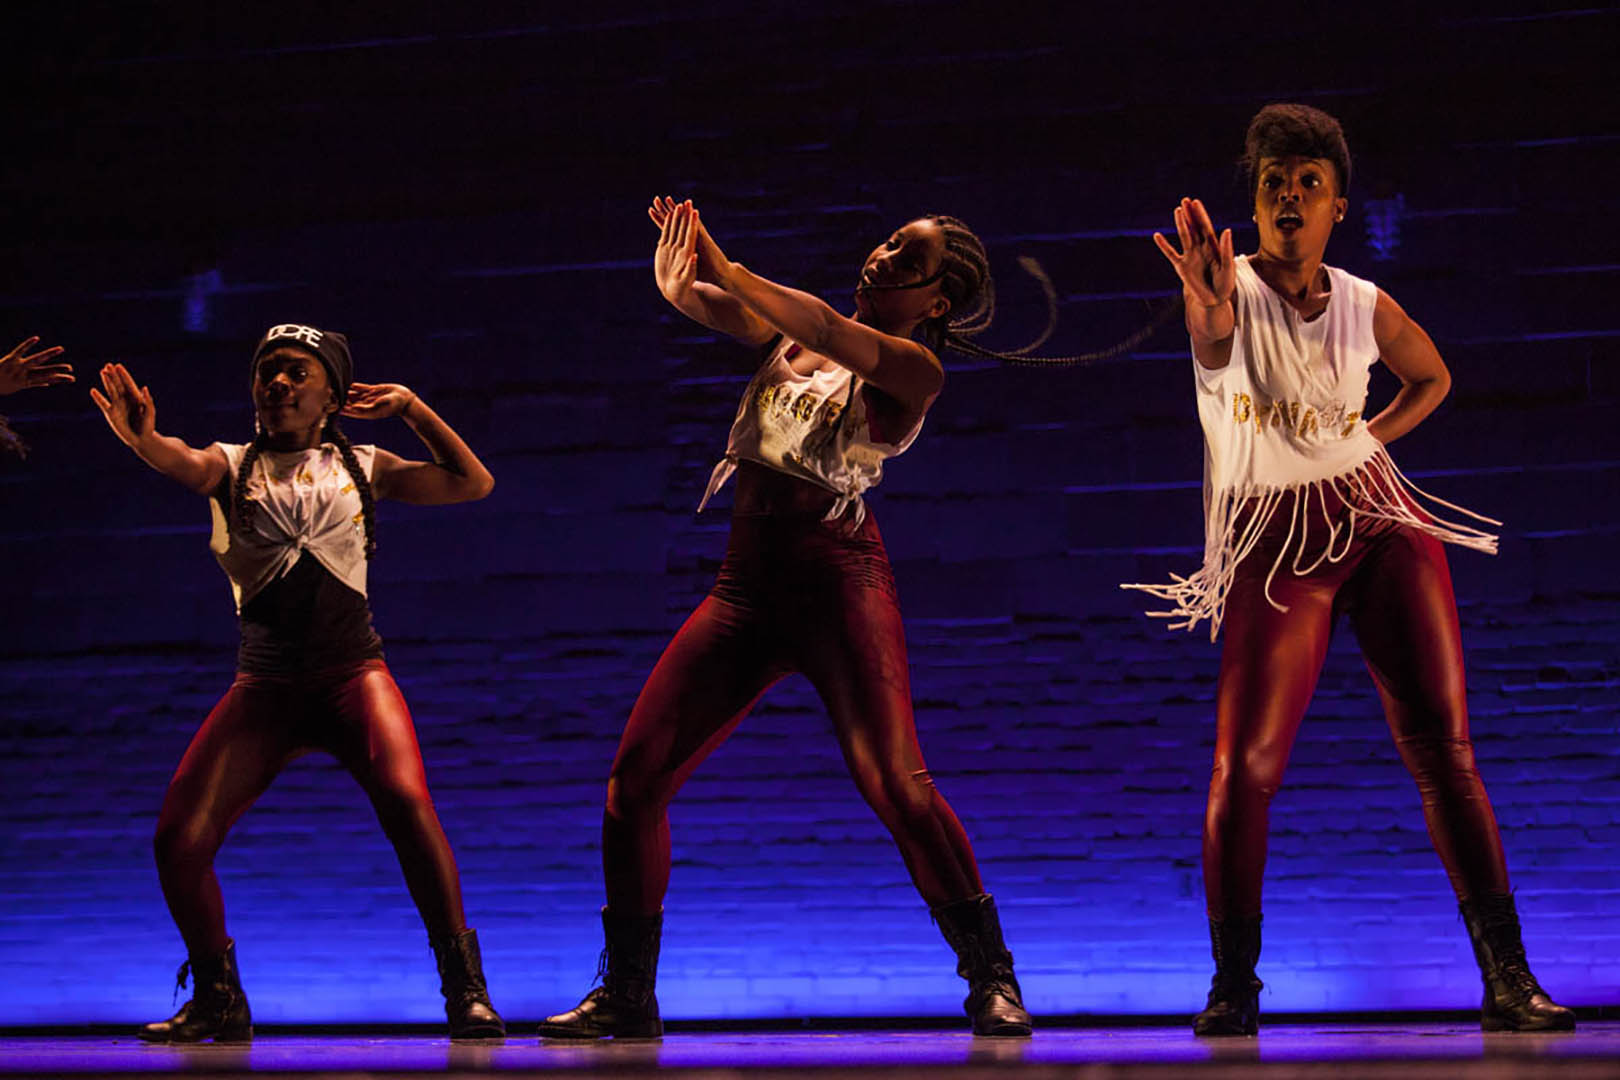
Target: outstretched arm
1410, 354
675, 266
454, 475
130, 413
900, 367
1208, 278
21, 371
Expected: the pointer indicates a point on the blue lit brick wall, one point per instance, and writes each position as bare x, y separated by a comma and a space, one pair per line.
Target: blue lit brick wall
466, 200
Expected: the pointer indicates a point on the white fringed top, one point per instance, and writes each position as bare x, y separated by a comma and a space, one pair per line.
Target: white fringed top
1283, 422
815, 427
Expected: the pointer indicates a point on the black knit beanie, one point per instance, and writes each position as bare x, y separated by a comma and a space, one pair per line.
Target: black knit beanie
329, 346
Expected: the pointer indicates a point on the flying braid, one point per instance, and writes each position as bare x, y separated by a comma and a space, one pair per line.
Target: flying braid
967, 284
1118, 348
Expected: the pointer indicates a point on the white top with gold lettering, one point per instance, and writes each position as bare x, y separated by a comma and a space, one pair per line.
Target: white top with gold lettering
298, 501
816, 427
1283, 421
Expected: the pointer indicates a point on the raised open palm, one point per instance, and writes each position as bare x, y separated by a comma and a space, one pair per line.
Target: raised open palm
710, 259
128, 408
1204, 263
20, 370
375, 401
675, 258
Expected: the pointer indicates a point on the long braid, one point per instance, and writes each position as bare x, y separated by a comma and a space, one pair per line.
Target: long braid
239, 500
967, 283
368, 503
1118, 348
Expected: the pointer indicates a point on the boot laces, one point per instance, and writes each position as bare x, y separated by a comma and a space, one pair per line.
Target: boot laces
1228, 984
998, 984
1517, 975
180, 980
455, 969
614, 988
1511, 965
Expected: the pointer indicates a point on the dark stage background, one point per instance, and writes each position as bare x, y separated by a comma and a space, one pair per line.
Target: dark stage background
463, 192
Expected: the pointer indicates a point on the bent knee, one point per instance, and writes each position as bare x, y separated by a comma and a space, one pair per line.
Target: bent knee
177, 843
900, 797
1245, 778
632, 794
1438, 758
400, 801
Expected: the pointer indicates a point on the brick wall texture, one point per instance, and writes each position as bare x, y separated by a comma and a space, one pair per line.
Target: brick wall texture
463, 193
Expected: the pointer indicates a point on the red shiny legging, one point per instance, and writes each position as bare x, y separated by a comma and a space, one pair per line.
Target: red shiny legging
794, 594
354, 713
1396, 588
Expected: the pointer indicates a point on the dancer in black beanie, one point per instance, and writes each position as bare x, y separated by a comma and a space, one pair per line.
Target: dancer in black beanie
294, 530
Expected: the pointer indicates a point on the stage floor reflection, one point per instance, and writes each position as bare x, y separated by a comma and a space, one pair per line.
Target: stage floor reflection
1282, 1050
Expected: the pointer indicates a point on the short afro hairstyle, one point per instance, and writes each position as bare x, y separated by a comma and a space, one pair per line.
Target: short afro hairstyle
1289, 129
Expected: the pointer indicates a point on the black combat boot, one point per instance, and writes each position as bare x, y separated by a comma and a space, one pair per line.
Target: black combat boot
624, 1006
994, 1000
461, 981
1233, 1007
1514, 1001
218, 1009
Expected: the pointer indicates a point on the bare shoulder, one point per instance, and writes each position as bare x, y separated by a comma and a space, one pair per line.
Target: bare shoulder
1389, 319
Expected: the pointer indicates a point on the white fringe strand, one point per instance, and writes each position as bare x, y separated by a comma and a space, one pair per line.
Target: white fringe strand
1373, 490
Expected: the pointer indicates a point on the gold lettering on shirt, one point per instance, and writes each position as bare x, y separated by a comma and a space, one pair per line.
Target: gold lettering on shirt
780, 400
1296, 417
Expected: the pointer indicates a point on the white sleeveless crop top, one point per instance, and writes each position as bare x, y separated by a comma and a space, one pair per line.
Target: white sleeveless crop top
816, 427
298, 501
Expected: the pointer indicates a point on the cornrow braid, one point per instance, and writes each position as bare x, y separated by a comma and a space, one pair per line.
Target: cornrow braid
967, 284
965, 281
368, 502
239, 501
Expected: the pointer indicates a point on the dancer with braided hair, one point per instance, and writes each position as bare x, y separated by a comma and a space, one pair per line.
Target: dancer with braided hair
805, 587
294, 530
1307, 517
